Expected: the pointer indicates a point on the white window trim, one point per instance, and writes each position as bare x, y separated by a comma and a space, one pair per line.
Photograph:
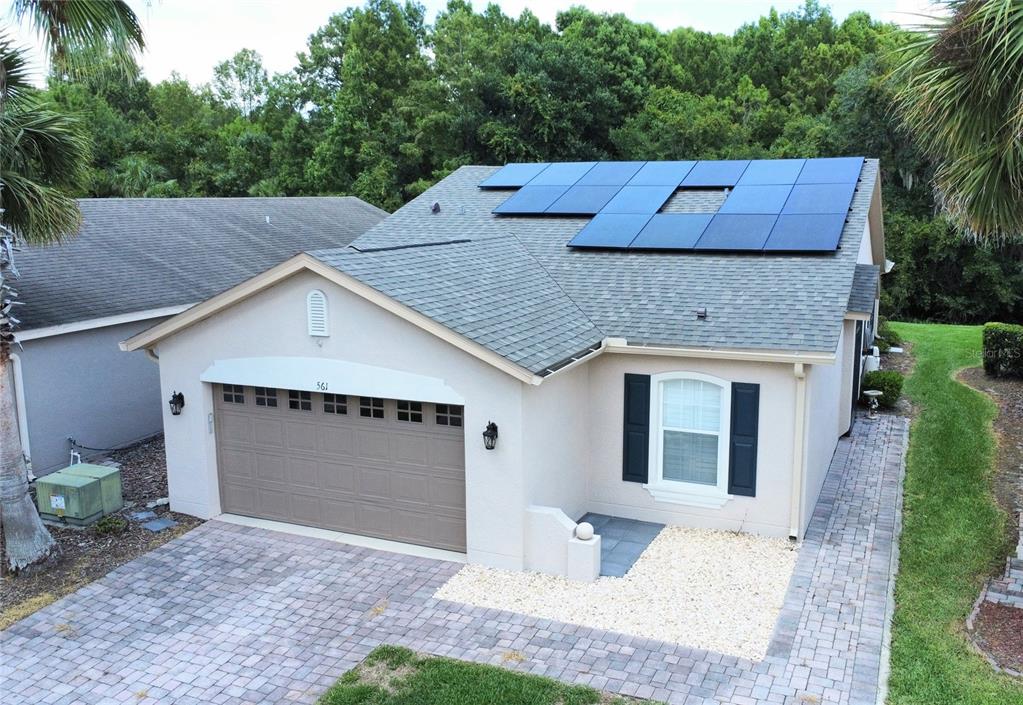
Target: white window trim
677, 491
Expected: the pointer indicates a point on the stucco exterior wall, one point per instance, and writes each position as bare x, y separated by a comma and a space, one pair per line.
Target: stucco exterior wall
556, 421
767, 513
827, 419
273, 323
81, 385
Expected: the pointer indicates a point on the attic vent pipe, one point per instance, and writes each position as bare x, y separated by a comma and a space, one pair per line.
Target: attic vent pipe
701, 313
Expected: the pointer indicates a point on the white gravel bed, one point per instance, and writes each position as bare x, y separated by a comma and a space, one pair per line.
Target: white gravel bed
713, 590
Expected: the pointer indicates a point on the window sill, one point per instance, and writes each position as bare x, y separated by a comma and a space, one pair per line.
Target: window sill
690, 495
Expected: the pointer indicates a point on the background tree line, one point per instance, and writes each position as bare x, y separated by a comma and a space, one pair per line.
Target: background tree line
382, 104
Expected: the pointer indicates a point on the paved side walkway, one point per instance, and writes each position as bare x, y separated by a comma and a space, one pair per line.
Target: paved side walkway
230, 614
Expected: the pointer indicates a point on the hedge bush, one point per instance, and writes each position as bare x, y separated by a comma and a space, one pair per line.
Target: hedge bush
888, 382
1003, 349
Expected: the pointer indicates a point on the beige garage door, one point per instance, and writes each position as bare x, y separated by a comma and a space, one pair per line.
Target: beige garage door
378, 467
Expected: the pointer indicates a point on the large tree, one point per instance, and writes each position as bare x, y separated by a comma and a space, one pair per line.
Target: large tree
962, 96
42, 155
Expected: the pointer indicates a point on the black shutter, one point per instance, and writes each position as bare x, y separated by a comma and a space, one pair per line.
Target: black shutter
742, 456
636, 449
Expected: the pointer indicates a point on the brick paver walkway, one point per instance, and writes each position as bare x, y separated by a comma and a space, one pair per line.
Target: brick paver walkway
227, 614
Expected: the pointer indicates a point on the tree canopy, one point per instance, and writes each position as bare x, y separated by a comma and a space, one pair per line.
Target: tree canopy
382, 103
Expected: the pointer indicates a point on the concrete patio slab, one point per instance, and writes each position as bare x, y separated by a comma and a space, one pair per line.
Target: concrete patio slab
234, 614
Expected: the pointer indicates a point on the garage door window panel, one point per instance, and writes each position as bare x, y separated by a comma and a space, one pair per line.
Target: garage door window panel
371, 408
410, 411
234, 393
266, 397
335, 404
300, 401
449, 415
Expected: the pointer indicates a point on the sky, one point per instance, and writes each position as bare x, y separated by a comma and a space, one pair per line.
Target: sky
191, 36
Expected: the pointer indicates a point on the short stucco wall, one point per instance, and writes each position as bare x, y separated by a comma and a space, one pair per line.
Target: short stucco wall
273, 323
82, 385
767, 513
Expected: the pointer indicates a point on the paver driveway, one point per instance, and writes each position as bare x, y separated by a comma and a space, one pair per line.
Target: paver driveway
228, 614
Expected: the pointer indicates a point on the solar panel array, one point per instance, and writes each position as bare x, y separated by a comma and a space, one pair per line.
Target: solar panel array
781, 205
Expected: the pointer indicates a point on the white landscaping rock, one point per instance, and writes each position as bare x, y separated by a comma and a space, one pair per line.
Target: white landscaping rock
713, 590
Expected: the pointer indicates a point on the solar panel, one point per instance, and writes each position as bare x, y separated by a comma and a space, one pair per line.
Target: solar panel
771, 171
756, 199
639, 199
531, 200
806, 233
661, 174
672, 231
832, 170
513, 175
562, 174
736, 232
610, 174
819, 198
583, 200
613, 230
722, 173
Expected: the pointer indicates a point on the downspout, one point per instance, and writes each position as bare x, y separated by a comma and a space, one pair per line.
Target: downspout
798, 453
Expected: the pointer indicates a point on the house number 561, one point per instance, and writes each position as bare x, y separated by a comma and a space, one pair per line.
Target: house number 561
321, 386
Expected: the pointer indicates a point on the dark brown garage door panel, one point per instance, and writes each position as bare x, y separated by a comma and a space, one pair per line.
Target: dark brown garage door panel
379, 477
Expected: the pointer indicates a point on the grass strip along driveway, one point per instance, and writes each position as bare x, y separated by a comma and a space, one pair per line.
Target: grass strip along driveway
954, 534
392, 675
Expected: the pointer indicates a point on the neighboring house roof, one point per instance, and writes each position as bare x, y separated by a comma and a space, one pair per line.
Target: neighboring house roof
511, 284
140, 254
863, 293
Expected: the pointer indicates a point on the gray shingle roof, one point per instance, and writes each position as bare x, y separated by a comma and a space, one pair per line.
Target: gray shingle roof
864, 289
135, 254
515, 288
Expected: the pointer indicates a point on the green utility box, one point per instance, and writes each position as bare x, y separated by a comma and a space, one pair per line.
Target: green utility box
109, 483
75, 499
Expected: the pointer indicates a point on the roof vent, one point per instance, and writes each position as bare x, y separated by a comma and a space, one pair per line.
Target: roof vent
316, 312
435, 208
701, 313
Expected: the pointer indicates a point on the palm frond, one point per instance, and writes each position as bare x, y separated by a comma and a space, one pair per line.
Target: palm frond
75, 32
14, 70
961, 94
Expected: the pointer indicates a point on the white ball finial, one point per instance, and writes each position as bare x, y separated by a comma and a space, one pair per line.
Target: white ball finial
584, 531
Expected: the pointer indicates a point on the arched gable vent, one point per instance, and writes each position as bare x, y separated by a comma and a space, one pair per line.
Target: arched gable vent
316, 312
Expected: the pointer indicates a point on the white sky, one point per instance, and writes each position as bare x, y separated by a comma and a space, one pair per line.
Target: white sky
191, 36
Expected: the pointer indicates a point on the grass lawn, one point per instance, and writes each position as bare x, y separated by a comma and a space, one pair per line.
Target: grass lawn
391, 675
954, 534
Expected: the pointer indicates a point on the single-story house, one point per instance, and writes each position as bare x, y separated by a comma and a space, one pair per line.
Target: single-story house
135, 262
677, 342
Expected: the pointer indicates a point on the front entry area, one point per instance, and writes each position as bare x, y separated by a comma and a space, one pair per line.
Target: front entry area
387, 468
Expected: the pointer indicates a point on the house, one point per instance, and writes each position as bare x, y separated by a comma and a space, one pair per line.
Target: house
136, 262
676, 342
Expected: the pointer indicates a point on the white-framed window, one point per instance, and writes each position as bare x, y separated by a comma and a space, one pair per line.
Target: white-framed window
449, 415
234, 393
335, 404
266, 396
371, 407
316, 313
689, 425
410, 411
300, 401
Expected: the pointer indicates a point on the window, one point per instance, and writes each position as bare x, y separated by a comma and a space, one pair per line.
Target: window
316, 313
371, 407
689, 416
266, 396
411, 411
234, 393
300, 401
335, 404
449, 415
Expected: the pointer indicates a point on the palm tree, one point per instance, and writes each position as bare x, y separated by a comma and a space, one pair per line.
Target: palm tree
962, 96
42, 154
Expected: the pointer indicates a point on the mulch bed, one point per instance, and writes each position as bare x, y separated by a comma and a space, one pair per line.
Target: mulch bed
997, 628
84, 554
998, 631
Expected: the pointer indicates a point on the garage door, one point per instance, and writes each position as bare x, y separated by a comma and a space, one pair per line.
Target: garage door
386, 468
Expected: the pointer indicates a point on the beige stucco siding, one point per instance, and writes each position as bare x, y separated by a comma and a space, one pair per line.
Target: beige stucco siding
767, 513
273, 323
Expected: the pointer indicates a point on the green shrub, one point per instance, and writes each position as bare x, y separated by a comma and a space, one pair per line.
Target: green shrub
110, 524
886, 333
1003, 349
888, 382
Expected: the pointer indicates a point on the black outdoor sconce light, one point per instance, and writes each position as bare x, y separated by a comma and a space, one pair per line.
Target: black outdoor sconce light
177, 401
490, 436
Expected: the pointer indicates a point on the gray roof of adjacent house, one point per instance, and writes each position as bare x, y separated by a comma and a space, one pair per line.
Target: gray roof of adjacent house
863, 293
512, 285
137, 254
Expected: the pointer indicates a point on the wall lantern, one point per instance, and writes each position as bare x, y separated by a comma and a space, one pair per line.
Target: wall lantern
490, 436
177, 401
